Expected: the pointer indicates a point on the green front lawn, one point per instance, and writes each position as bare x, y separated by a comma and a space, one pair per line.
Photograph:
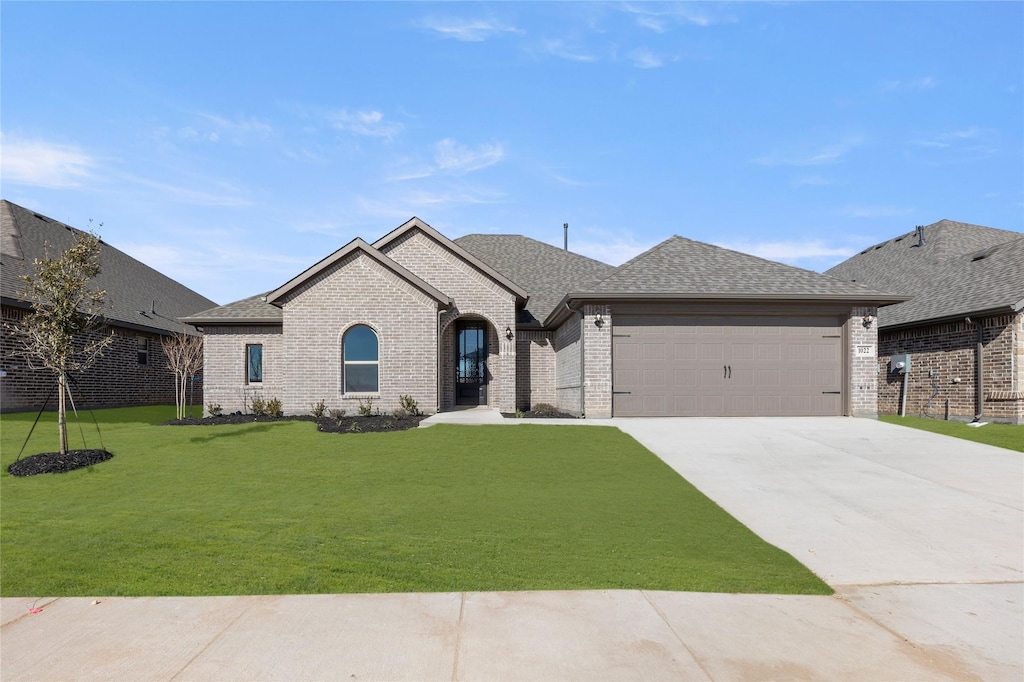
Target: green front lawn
1000, 435
274, 508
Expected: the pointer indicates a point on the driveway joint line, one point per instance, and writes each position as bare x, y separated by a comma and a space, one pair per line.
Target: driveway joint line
665, 620
458, 636
214, 639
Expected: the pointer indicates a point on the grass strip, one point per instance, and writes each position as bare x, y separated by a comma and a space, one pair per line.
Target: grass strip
1000, 435
279, 508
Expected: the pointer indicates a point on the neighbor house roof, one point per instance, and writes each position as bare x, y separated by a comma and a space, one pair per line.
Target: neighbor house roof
949, 269
684, 269
545, 271
138, 296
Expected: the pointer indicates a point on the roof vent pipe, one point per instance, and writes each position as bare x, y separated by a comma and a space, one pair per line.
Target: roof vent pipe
920, 235
565, 226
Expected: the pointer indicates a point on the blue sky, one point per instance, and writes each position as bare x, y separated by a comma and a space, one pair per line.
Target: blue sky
232, 145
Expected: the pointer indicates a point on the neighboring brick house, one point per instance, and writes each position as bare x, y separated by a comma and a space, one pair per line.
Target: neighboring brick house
508, 322
963, 325
142, 307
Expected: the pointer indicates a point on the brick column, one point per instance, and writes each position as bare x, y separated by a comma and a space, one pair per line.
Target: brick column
597, 361
863, 363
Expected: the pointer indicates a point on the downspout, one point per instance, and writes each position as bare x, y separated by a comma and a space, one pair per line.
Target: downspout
979, 367
583, 373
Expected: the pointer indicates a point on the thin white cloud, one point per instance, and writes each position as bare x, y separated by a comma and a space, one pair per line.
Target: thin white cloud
952, 137
644, 58
467, 30
559, 48
789, 251
453, 157
915, 85
825, 154
43, 164
229, 195
810, 181
246, 125
613, 248
369, 123
658, 17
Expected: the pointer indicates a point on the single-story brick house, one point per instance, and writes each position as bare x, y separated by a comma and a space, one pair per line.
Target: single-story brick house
505, 321
143, 306
963, 325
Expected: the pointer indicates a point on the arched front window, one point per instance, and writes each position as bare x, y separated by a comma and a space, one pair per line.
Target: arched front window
359, 350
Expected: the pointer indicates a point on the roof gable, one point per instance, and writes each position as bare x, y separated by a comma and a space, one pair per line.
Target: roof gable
415, 223
546, 271
684, 267
356, 245
138, 296
959, 269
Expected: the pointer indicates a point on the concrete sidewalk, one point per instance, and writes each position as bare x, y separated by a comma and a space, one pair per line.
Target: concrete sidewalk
601, 635
921, 535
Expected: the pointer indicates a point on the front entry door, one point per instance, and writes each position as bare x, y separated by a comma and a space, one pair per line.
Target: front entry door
471, 363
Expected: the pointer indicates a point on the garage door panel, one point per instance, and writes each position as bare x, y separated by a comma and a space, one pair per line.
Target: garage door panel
680, 365
686, 378
654, 378
655, 405
711, 351
684, 351
711, 405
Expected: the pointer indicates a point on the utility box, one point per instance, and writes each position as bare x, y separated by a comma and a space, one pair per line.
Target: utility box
899, 364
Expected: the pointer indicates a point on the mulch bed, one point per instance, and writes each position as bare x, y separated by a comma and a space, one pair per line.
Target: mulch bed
56, 463
544, 414
357, 424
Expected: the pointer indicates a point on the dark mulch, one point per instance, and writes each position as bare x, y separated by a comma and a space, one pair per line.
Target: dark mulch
357, 424
56, 463
542, 414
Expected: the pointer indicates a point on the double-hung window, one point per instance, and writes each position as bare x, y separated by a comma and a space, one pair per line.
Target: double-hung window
253, 363
142, 344
361, 365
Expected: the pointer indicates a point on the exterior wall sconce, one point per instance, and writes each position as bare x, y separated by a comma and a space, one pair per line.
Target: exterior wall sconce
508, 333
599, 320
868, 320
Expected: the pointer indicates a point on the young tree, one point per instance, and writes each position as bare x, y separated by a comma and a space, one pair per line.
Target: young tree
185, 358
65, 313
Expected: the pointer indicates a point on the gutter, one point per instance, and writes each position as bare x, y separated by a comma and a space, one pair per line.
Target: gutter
979, 367
557, 314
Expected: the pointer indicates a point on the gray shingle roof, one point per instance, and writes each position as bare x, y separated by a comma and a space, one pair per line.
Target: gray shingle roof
131, 286
545, 271
960, 269
252, 310
687, 268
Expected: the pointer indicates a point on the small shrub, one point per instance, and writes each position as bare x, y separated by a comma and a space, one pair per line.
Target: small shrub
399, 413
214, 409
545, 410
519, 414
258, 406
409, 404
354, 427
275, 408
365, 407
388, 424
319, 409
337, 414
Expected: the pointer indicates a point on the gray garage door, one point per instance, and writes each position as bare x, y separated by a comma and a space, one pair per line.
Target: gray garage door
726, 366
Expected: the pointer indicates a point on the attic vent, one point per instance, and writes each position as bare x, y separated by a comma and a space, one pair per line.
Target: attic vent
42, 217
899, 239
983, 254
879, 246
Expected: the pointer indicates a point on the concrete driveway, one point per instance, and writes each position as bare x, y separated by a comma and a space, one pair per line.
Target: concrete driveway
921, 535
